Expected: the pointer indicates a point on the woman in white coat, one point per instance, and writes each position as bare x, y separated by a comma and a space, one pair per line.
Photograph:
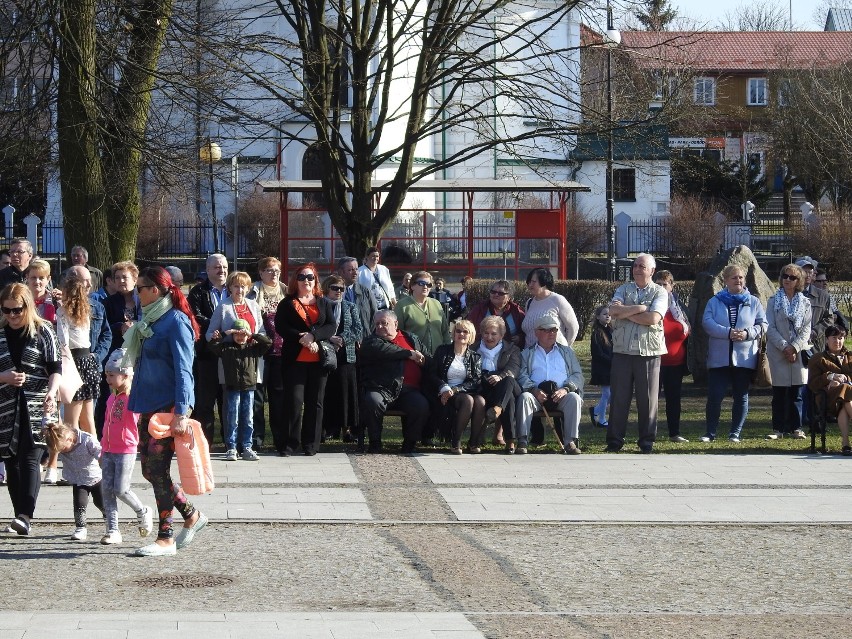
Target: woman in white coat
789, 316
376, 278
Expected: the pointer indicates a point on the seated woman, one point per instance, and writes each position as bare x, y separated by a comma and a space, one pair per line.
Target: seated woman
456, 371
501, 363
831, 371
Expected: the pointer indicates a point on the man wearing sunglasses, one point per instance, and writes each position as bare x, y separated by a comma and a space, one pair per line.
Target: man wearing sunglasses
500, 304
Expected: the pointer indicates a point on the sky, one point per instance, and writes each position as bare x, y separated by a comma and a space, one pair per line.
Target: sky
711, 11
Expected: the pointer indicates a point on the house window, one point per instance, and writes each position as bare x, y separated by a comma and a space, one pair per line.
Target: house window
624, 185
705, 91
757, 92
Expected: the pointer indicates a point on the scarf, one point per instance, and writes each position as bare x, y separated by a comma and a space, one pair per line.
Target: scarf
336, 310
678, 314
141, 330
490, 355
268, 297
729, 299
793, 310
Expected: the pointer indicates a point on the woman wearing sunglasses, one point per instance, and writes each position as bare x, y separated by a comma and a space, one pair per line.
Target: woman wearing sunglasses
341, 415
303, 319
31, 366
423, 315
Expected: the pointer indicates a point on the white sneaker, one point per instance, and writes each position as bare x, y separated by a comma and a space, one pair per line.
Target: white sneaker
705, 439
677, 439
775, 434
734, 439
799, 434
112, 537
50, 476
145, 521
231, 454
80, 534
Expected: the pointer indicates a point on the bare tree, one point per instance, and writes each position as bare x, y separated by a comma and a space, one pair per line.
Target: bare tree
760, 15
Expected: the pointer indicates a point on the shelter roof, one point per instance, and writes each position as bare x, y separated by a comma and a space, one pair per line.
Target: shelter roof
440, 186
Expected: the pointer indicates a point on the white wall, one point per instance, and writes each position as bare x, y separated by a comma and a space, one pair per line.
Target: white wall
653, 179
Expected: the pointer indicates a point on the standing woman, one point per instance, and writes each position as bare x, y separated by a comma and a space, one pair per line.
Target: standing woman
303, 319
423, 315
38, 278
789, 333
545, 302
160, 347
735, 323
341, 414
31, 365
376, 278
673, 364
268, 293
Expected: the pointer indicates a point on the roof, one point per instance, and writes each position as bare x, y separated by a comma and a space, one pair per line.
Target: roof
839, 20
640, 142
738, 50
440, 186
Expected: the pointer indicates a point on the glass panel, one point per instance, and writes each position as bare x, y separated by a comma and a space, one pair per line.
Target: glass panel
538, 251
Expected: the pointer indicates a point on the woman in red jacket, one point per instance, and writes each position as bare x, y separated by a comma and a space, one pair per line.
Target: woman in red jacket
673, 364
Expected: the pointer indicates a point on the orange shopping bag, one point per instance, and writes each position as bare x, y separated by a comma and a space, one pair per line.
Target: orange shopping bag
193, 453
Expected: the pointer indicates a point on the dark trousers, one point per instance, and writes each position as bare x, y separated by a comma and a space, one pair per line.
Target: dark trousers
411, 401
786, 408
631, 372
503, 394
23, 474
341, 415
304, 383
671, 379
81, 502
208, 393
273, 384
258, 417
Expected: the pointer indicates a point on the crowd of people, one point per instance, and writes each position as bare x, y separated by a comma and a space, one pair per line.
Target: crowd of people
331, 356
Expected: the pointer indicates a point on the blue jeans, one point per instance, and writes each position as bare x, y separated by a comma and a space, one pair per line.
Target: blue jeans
240, 418
718, 382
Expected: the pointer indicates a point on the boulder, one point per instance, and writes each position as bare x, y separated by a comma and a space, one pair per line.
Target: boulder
707, 284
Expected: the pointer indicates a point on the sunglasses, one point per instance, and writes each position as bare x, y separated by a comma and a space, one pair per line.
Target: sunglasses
336, 288
787, 276
423, 283
547, 330
13, 311
305, 277
499, 293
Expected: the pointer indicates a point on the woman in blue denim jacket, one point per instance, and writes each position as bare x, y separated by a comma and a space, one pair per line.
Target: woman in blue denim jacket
735, 323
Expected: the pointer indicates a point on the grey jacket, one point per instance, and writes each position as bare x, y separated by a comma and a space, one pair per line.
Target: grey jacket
80, 465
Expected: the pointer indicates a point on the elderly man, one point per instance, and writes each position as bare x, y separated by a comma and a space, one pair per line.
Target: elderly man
821, 315
551, 377
80, 257
203, 299
21, 254
821, 282
362, 298
637, 309
391, 366
500, 303
176, 274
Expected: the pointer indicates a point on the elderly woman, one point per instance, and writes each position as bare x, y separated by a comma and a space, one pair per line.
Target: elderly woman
160, 347
831, 371
673, 364
303, 319
500, 304
423, 315
31, 366
789, 332
268, 293
501, 363
545, 302
735, 323
342, 413
456, 371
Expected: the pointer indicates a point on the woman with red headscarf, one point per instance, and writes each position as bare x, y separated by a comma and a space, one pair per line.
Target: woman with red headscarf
303, 319
160, 347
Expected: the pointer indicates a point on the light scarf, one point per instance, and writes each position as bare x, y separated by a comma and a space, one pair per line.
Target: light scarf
336, 309
794, 310
268, 297
141, 330
490, 355
677, 313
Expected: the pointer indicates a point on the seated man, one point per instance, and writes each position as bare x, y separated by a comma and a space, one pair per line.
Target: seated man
550, 364
391, 365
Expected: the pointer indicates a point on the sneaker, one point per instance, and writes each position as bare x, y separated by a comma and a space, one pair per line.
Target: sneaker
20, 526
775, 434
80, 534
186, 535
521, 450
112, 537
677, 439
705, 439
145, 521
231, 455
734, 439
249, 455
798, 434
156, 550
50, 476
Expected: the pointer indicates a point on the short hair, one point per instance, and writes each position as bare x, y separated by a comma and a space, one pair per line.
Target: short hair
422, 275
648, 257
493, 320
81, 249
798, 272
343, 261
214, 257
5, 252
834, 329
730, 269
40, 267
265, 262
125, 266
175, 273
504, 284
469, 327
665, 276
23, 241
331, 279
542, 275
293, 285
385, 312
240, 278
441, 280
372, 249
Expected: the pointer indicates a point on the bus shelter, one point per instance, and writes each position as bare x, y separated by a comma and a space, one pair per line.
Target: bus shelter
467, 239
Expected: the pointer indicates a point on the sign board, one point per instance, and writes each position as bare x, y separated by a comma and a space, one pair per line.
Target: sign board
686, 143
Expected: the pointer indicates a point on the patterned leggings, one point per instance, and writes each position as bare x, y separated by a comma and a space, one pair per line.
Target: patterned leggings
156, 457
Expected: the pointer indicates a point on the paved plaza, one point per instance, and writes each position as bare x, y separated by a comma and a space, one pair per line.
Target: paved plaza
442, 546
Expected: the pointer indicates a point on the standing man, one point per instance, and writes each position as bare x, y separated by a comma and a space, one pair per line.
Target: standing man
821, 317
821, 282
203, 299
20, 255
5, 259
80, 257
176, 274
637, 311
362, 298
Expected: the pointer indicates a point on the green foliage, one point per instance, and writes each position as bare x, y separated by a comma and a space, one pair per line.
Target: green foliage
726, 183
655, 15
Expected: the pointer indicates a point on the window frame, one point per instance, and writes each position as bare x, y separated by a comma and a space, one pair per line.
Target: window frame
624, 187
704, 81
765, 91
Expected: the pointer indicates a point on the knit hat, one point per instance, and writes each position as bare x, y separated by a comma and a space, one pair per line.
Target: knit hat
241, 325
113, 364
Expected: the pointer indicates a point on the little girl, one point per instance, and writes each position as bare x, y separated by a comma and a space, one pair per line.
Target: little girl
119, 440
601, 348
79, 453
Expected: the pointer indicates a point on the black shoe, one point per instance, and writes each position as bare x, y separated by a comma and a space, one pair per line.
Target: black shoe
646, 450
407, 448
361, 447
374, 448
592, 416
428, 443
347, 438
612, 449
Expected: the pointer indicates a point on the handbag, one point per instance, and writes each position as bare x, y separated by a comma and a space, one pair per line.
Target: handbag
70, 381
327, 352
762, 377
192, 453
806, 355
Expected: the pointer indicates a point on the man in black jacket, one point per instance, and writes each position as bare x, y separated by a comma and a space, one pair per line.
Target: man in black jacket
21, 254
391, 364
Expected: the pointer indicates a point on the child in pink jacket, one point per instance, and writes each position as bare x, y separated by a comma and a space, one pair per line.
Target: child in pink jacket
119, 441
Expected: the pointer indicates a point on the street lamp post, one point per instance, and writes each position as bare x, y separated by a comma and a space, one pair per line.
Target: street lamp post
611, 40
210, 153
